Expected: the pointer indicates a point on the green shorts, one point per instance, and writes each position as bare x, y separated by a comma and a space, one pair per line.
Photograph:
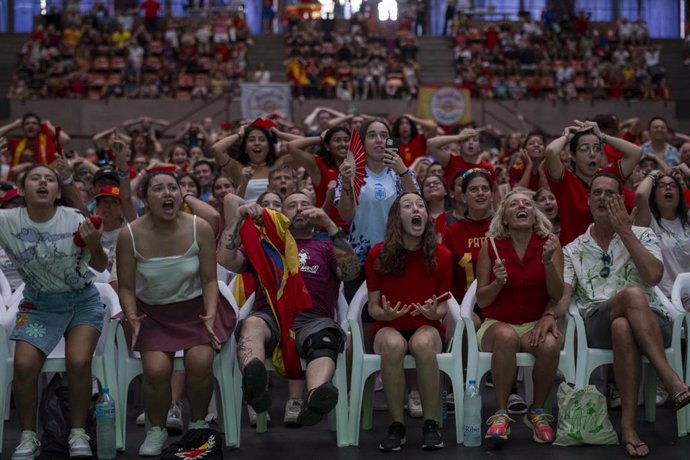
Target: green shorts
521, 329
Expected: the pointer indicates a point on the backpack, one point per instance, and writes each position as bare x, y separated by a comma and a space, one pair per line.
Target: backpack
54, 417
205, 443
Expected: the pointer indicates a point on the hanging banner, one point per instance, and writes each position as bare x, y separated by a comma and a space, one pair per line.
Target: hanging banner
445, 104
260, 100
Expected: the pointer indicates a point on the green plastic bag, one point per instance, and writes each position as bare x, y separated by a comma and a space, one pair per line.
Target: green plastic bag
583, 417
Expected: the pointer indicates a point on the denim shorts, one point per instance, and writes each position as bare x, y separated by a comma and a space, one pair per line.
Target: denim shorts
44, 318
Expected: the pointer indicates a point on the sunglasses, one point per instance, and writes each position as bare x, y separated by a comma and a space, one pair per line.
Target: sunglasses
606, 270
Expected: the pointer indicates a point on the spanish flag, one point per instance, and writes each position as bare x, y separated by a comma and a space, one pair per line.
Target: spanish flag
46, 149
272, 252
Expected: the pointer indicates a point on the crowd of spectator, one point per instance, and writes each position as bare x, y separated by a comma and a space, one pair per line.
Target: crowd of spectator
100, 57
359, 60
564, 58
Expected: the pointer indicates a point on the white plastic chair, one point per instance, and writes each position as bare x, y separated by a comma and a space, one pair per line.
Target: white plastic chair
479, 362
5, 289
5, 370
129, 365
55, 362
365, 365
588, 359
681, 288
339, 377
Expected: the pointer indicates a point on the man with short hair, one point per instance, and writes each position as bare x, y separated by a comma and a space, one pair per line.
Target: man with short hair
658, 143
318, 337
282, 180
203, 171
610, 272
37, 145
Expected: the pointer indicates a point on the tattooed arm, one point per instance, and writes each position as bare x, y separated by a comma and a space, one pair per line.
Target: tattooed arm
228, 254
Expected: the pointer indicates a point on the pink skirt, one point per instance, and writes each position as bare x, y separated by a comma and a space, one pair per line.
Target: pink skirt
177, 326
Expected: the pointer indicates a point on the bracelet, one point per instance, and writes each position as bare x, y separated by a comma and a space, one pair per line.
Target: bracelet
407, 171
122, 174
68, 181
338, 235
226, 163
550, 313
184, 197
603, 139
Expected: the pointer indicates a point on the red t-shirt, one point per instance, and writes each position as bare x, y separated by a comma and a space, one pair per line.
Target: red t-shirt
524, 296
150, 8
572, 194
516, 172
464, 239
414, 149
414, 285
440, 224
457, 163
327, 175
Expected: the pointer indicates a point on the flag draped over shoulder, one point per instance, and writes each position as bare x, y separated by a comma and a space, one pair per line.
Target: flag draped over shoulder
244, 287
272, 252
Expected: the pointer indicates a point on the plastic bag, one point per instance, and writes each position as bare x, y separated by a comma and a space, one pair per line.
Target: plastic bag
205, 443
583, 417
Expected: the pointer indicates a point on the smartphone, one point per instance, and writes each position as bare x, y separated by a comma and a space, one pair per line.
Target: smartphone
393, 144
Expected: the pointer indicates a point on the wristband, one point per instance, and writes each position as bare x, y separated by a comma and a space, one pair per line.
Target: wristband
184, 197
603, 138
122, 174
68, 181
407, 171
550, 313
338, 235
226, 163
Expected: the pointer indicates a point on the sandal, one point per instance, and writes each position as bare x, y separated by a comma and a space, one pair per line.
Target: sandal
634, 453
681, 399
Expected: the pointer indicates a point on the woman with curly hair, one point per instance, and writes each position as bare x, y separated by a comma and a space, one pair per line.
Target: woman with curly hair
323, 168
519, 273
406, 275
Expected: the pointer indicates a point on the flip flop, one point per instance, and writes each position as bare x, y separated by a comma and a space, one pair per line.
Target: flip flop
634, 453
681, 399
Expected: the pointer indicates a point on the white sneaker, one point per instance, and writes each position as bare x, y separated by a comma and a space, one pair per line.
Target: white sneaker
154, 443
292, 410
141, 419
198, 425
174, 422
251, 413
661, 394
79, 444
516, 405
28, 448
613, 397
414, 404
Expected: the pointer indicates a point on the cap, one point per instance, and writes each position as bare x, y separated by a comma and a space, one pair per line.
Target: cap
648, 156
9, 196
106, 173
108, 190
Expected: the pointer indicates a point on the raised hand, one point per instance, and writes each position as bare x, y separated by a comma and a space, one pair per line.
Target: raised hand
552, 244
393, 161
500, 272
621, 221
63, 167
347, 170
394, 312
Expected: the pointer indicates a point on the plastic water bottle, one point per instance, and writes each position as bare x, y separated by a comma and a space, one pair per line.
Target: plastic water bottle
105, 426
472, 411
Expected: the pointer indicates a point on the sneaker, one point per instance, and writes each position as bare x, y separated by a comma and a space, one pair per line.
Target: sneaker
516, 405
613, 397
450, 403
661, 394
292, 410
320, 401
154, 443
255, 385
414, 404
174, 422
540, 424
198, 425
431, 436
141, 419
251, 413
499, 427
395, 438
29, 447
79, 444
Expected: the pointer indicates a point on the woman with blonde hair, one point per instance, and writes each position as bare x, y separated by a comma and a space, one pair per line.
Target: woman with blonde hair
519, 276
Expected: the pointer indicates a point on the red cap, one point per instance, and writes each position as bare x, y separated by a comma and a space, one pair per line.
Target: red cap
10, 195
108, 190
263, 123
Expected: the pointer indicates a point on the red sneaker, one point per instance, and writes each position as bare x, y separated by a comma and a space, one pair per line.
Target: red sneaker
540, 424
499, 427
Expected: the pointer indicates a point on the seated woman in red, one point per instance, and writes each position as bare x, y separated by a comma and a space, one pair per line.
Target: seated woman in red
519, 273
406, 274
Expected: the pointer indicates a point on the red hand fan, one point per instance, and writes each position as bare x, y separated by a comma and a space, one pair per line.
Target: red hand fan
357, 156
97, 222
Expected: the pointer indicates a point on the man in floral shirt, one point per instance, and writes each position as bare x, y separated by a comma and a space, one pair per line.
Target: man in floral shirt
610, 272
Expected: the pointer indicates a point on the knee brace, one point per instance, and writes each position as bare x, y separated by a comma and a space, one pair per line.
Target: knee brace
322, 343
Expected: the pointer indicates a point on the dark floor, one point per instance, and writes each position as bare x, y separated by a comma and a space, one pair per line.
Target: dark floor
319, 442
